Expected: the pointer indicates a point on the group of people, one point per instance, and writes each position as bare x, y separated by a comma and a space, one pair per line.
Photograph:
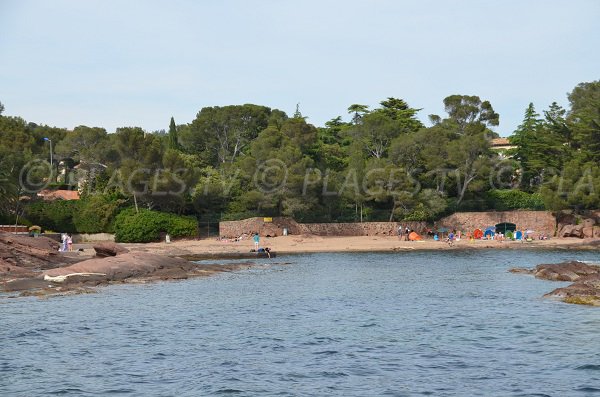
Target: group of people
404, 232
66, 242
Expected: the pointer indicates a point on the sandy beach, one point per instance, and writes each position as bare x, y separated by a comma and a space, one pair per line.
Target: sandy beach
307, 243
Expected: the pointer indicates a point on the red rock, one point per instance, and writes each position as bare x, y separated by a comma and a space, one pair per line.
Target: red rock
588, 232
117, 267
107, 249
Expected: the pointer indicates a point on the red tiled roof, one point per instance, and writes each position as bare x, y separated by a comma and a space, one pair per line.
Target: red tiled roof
59, 194
500, 142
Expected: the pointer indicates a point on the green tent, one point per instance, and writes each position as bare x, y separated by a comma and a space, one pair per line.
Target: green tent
505, 227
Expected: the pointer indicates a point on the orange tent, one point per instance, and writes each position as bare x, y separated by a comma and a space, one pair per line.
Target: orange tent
478, 233
413, 236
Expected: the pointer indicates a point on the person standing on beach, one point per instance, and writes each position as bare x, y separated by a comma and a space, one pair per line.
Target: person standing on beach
400, 232
406, 233
70, 242
256, 239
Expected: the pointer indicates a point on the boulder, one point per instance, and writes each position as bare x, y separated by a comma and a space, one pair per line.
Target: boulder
588, 232
596, 232
565, 231
589, 222
577, 231
104, 250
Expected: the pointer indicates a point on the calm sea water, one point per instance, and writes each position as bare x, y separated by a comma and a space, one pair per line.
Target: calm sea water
404, 324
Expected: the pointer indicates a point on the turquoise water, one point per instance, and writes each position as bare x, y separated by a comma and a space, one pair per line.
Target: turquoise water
425, 323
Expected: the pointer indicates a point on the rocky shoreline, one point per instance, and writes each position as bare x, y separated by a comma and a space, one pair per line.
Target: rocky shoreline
35, 267
585, 289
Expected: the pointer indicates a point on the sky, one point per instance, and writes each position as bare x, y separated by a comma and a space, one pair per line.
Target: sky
115, 63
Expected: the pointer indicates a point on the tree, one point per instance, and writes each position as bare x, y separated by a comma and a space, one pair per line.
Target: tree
467, 110
221, 134
466, 129
359, 111
173, 138
584, 119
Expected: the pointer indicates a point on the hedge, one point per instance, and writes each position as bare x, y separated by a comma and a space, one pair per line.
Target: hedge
147, 226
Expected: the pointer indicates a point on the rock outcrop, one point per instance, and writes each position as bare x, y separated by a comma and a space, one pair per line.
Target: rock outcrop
587, 228
32, 253
33, 266
586, 281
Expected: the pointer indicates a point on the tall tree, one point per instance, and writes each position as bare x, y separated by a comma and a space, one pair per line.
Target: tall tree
173, 138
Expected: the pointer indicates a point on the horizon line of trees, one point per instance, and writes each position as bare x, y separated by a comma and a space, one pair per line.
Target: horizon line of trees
237, 161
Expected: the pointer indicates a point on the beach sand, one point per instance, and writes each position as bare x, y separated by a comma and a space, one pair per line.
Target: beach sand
308, 243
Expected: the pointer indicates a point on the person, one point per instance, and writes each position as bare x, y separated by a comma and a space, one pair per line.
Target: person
70, 242
450, 239
406, 233
400, 232
63, 240
167, 238
256, 239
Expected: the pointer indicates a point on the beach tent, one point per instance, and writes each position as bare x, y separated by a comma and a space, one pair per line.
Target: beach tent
489, 231
477, 233
413, 236
505, 227
518, 235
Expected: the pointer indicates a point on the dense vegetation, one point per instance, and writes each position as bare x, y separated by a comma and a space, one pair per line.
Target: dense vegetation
233, 162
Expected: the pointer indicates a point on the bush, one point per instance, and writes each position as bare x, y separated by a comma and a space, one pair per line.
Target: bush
56, 215
503, 200
146, 226
96, 214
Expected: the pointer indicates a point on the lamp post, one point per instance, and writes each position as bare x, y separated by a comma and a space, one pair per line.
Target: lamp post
50, 140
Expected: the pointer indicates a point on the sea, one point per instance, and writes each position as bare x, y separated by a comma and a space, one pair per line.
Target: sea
419, 323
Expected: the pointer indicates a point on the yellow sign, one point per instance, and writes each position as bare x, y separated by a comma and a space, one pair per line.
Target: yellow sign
267, 220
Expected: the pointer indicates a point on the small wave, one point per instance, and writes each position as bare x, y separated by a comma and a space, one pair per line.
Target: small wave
327, 352
329, 374
229, 391
595, 367
588, 389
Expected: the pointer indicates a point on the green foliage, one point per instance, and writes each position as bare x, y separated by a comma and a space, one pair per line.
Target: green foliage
54, 215
96, 214
146, 226
512, 199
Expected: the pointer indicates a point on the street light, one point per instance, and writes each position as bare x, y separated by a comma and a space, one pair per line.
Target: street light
49, 140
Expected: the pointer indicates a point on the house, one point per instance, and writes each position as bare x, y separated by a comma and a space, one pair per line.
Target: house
501, 146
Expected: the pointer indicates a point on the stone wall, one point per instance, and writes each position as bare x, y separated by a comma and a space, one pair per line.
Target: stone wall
275, 227
90, 238
539, 221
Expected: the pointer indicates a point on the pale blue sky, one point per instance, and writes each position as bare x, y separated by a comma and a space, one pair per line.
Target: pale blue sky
137, 63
